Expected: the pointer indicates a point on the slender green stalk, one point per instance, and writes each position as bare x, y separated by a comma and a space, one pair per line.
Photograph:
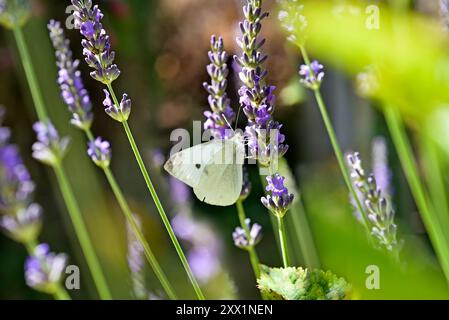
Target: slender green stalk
409, 166
335, 145
132, 222
66, 190
157, 202
30, 74
435, 181
61, 293
304, 235
283, 240
82, 234
255, 263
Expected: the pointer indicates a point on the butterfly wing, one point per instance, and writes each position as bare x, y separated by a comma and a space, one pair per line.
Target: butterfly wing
221, 180
188, 165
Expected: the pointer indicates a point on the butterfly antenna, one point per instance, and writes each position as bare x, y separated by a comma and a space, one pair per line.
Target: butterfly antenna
237, 118
227, 122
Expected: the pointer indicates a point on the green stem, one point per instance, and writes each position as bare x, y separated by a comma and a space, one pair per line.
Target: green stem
60, 293
336, 146
30, 74
82, 234
255, 263
304, 235
158, 203
436, 181
283, 240
405, 152
63, 183
138, 233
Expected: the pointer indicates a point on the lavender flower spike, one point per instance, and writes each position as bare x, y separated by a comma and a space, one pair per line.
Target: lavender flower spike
313, 75
222, 115
97, 47
279, 200
118, 113
25, 226
240, 238
49, 148
256, 98
72, 88
44, 269
380, 213
100, 152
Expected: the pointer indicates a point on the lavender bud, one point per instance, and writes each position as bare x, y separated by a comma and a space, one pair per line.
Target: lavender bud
246, 187
100, 152
49, 148
240, 235
118, 113
44, 269
25, 226
74, 94
279, 200
312, 76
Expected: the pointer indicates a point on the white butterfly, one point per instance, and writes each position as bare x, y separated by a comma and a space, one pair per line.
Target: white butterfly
213, 169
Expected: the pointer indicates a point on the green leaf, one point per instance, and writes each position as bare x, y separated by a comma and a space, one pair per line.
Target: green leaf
296, 283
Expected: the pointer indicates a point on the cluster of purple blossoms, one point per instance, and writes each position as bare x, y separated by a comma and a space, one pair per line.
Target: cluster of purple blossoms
44, 269
49, 148
279, 200
222, 115
97, 47
244, 241
20, 219
100, 152
73, 92
265, 141
256, 98
312, 75
379, 210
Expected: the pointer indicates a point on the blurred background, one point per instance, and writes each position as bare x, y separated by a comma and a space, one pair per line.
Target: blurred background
161, 48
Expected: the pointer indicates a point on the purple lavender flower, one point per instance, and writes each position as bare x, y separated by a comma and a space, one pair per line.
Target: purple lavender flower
14, 13
313, 75
119, 113
241, 239
16, 186
24, 226
44, 269
49, 148
97, 48
136, 261
222, 115
100, 152
380, 212
279, 200
256, 98
72, 88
